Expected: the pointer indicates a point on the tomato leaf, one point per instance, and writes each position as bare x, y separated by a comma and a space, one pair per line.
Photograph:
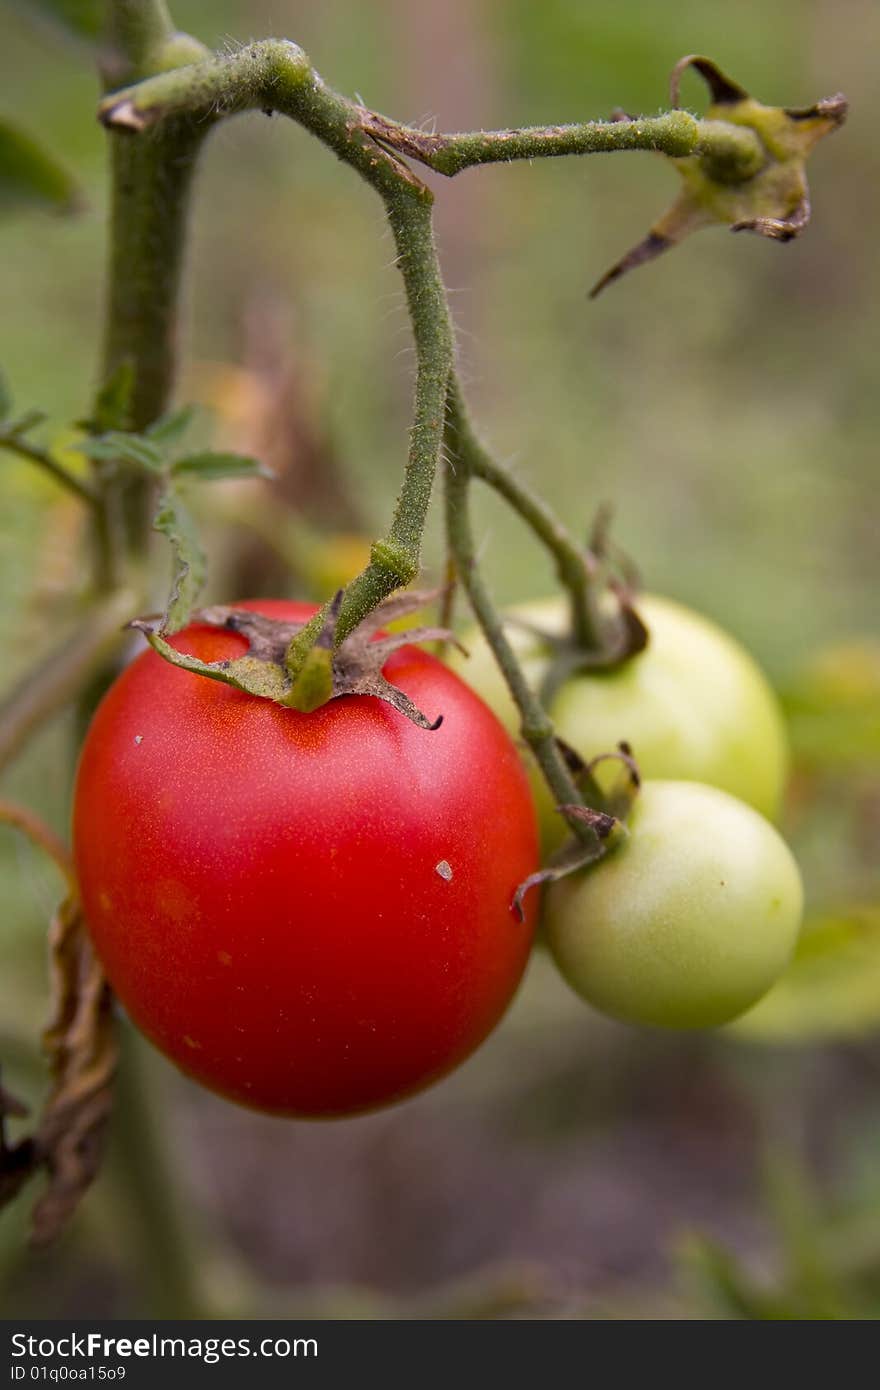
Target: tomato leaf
830, 990
115, 446
29, 176
210, 466
174, 520
171, 427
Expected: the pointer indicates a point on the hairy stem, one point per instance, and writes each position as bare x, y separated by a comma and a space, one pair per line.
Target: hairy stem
570, 558
395, 559
537, 727
151, 181
675, 133
274, 75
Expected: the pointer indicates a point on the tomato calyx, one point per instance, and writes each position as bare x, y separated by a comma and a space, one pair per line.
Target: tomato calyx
618, 632
755, 184
607, 822
297, 663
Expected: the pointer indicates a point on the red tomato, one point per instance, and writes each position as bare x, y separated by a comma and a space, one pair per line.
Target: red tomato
309, 913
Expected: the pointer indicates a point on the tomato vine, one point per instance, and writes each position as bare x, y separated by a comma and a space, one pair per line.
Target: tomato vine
741, 166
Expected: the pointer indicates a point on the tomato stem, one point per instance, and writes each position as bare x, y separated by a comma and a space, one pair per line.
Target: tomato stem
171, 112
571, 559
537, 727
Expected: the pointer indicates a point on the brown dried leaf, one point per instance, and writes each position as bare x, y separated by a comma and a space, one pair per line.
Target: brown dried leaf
81, 1046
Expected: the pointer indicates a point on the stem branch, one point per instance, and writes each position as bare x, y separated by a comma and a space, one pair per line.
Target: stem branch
537, 727
570, 558
674, 133
178, 107
14, 444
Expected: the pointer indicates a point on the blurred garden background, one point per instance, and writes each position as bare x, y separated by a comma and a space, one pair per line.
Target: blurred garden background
724, 401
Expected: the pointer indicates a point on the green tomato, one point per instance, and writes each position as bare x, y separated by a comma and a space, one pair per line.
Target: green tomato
689, 922
694, 705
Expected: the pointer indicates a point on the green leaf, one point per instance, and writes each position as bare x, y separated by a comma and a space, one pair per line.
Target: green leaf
174, 520
831, 989
113, 401
29, 176
81, 18
209, 466
116, 446
171, 427
5, 397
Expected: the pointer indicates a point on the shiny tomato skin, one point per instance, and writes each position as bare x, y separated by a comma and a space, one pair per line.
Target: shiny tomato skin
308, 913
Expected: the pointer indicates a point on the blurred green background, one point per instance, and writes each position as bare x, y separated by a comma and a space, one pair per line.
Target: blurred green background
724, 401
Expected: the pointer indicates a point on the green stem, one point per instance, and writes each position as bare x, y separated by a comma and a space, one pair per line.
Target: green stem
151, 181
674, 133
275, 75
13, 444
136, 31
570, 558
536, 727
395, 560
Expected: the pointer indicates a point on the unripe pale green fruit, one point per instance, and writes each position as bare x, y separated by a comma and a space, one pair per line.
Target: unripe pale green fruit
694, 705
689, 922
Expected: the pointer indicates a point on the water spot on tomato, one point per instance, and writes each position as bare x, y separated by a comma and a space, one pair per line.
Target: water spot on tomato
138, 738
444, 869
191, 1042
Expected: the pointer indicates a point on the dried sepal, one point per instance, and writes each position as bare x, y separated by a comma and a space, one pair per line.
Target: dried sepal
577, 853
622, 634
763, 191
618, 798
298, 664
